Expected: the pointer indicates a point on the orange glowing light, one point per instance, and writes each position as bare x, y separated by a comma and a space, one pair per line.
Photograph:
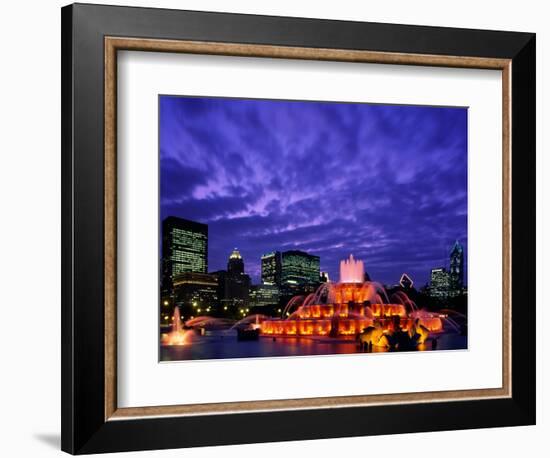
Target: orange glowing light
350, 311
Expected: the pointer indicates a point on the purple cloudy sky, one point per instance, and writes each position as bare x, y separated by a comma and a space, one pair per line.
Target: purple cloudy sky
387, 183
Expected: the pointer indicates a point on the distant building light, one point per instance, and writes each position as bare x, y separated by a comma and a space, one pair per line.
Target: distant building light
235, 254
406, 281
439, 283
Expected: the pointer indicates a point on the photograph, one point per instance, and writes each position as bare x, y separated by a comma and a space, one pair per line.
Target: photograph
300, 228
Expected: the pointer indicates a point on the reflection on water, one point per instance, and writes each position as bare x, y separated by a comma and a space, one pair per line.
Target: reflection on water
224, 344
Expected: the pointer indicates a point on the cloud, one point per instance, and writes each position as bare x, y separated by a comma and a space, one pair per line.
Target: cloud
384, 182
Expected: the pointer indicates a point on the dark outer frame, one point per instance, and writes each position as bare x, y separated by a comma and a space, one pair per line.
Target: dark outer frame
85, 428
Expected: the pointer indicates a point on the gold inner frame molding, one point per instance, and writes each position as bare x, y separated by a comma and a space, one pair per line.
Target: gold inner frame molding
114, 44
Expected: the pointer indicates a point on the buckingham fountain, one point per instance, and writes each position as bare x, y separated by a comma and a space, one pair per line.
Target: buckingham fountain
354, 307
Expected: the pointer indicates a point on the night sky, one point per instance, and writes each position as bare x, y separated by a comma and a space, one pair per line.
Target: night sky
387, 183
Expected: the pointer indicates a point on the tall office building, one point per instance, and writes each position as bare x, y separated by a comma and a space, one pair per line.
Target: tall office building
271, 268
449, 284
439, 283
184, 249
235, 264
293, 272
234, 284
300, 267
456, 274
300, 271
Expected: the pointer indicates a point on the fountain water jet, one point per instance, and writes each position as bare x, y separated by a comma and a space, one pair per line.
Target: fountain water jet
253, 321
178, 335
209, 322
296, 301
352, 271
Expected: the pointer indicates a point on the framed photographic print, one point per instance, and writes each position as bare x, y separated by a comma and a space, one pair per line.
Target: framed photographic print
282, 228
265, 176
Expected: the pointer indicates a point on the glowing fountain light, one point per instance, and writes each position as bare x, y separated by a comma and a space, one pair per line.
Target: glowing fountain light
352, 271
178, 335
176, 321
355, 307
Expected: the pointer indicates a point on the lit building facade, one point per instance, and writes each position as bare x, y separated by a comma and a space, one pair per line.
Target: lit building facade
184, 249
292, 271
300, 272
264, 295
449, 284
300, 267
456, 274
439, 283
271, 268
235, 264
195, 293
234, 284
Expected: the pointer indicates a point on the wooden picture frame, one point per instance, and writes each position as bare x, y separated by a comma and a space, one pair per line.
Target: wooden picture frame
91, 37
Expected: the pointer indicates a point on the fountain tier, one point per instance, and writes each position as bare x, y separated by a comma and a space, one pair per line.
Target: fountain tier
344, 309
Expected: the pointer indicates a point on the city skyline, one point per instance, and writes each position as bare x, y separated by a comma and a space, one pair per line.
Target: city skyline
384, 183
446, 264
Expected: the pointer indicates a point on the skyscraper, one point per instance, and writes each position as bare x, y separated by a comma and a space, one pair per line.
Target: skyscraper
184, 249
299, 270
234, 284
439, 283
271, 268
235, 265
456, 274
449, 284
